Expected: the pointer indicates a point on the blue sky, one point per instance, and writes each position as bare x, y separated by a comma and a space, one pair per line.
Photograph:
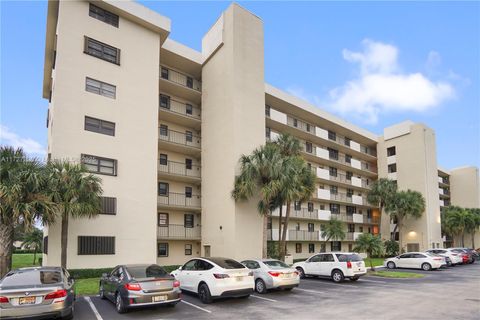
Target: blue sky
373, 63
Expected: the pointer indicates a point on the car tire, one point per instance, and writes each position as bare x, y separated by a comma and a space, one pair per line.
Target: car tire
101, 292
119, 304
260, 286
70, 315
337, 276
288, 289
391, 265
426, 266
204, 294
301, 273
354, 278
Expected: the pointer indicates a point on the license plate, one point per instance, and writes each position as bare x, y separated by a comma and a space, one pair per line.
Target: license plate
159, 298
26, 300
158, 283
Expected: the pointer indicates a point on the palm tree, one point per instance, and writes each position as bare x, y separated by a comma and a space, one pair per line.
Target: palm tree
333, 230
455, 221
260, 177
33, 240
370, 244
473, 223
406, 204
22, 199
76, 193
381, 194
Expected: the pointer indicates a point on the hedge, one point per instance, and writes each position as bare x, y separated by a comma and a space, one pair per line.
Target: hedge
97, 273
298, 260
23, 251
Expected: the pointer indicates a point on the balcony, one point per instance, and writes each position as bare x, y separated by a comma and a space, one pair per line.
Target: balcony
179, 142
340, 179
342, 217
302, 213
175, 200
180, 84
349, 236
180, 170
347, 198
303, 235
179, 232
181, 113
371, 220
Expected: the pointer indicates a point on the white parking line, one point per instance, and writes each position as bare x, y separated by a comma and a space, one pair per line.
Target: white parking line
195, 306
94, 309
312, 291
262, 298
376, 281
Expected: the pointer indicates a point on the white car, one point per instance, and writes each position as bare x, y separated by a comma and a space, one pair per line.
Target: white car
337, 265
415, 260
272, 274
214, 278
454, 257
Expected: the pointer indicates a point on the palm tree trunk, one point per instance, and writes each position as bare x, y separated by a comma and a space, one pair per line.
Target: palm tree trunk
473, 239
6, 245
392, 236
284, 233
463, 239
34, 255
279, 243
380, 223
400, 236
64, 240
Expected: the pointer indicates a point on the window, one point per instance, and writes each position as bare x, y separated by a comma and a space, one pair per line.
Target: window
188, 220
350, 248
188, 249
308, 127
164, 101
189, 136
391, 151
99, 126
349, 175
333, 172
333, 154
332, 135
101, 88
163, 159
360, 229
310, 206
188, 192
164, 73
336, 246
308, 147
351, 227
298, 248
267, 111
323, 247
348, 158
103, 15
163, 189
162, 249
267, 132
322, 206
109, 205
100, 165
347, 141
162, 219
327, 258
45, 245
334, 208
295, 123
297, 226
188, 164
311, 227
351, 210
392, 168
163, 130
333, 189
311, 247
297, 205
102, 50
189, 82
349, 193
188, 109
94, 245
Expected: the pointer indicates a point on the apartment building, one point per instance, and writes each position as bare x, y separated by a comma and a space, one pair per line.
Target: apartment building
164, 126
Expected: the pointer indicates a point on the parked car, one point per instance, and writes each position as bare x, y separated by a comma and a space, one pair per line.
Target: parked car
337, 265
138, 285
37, 292
272, 274
415, 260
454, 257
212, 278
467, 255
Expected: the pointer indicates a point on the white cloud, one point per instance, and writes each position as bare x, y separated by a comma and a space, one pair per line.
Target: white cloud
8, 137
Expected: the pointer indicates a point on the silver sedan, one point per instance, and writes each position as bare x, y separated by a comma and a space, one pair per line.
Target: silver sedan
272, 274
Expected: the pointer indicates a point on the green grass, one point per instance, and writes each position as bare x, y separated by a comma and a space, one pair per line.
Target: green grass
376, 262
22, 260
86, 287
396, 274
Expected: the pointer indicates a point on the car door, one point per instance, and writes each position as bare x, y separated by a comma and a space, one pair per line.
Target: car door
254, 266
312, 265
417, 260
326, 265
404, 260
111, 282
185, 275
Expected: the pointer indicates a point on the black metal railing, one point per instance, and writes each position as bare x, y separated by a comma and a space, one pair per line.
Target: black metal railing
180, 138
180, 169
180, 200
178, 231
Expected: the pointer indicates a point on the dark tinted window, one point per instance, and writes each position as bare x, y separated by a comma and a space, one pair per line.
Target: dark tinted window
327, 258
316, 258
349, 257
251, 264
102, 50
276, 264
151, 271
31, 278
227, 263
190, 265
407, 255
203, 265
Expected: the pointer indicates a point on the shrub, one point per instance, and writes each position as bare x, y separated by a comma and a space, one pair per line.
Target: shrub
97, 273
391, 248
23, 251
40, 261
272, 250
298, 260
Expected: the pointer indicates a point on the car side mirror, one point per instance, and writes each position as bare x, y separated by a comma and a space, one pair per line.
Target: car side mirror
180, 268
104, 275
398, 257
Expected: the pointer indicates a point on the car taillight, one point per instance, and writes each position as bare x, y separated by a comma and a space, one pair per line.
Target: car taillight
274, 274
349, 265
437, 259
176, 284
57, 294
221, 275
3, 299
133, 286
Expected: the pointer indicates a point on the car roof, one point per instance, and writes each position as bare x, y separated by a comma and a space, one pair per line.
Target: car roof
47, 268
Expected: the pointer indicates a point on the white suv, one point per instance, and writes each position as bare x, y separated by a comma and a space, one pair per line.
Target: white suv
337, 265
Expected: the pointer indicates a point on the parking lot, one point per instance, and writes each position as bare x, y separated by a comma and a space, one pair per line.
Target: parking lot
452, 293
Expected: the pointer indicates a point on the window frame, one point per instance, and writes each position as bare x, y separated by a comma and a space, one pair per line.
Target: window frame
188, 249
166, 249
167, 188
166, 219
107, 17
100, 88
163, 159
95, 248
101, 126
103, 46
298, 247
99, 159
105, 205
186, 220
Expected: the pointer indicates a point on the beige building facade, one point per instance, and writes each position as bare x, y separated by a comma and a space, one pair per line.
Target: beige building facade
164, 126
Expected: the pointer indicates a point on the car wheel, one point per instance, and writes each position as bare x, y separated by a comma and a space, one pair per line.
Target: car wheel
288, 289
426, 266
70, 315
119, 305
204, 294
391, 265
354, 278
101, 292
260, 286
301, 273
337, 276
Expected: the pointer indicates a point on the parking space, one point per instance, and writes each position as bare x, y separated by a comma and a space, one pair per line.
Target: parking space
452, 293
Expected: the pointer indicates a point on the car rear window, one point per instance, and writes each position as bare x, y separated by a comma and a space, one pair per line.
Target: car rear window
151, 271
348, 257
31, 278
227, 263
276, 264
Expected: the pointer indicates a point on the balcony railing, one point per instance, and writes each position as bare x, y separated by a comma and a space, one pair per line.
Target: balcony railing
374, 220
179, 138
181, 108
342, 217
180, 200
303, 235
349, 236
180, 169
177, 231
180, 78
342, 178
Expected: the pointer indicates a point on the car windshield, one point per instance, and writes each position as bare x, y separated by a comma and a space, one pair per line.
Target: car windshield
349, 257
227, 263
31, 278
276, 264
151, 271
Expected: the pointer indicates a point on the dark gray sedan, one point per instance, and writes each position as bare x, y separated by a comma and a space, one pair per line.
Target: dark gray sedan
139, 285
43, 292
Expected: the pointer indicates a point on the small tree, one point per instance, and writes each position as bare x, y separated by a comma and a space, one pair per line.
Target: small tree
391, 248
382, 194
370, 244
333, 230
33, 240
